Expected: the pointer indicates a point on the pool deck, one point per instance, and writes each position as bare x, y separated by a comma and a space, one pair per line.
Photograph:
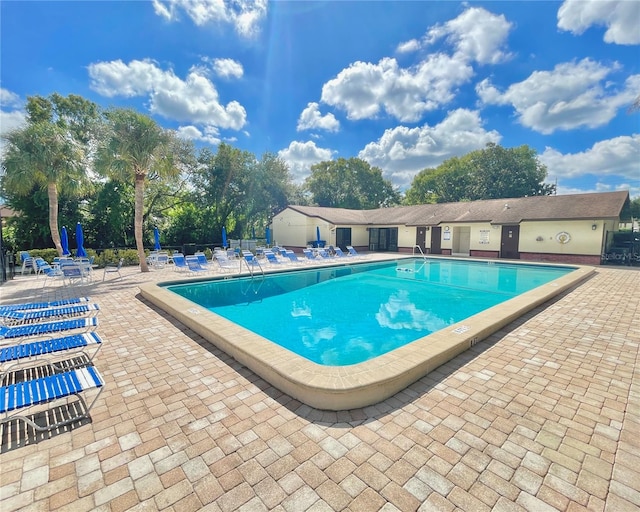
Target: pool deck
542, 415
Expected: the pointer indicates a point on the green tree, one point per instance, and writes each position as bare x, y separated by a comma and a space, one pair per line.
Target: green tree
268, 192
449, 182
187, 225
507, 172
51, 151
135, 146
635, 208
222, 184
490, 173
351, 183
110, 213
31, 227
41, 155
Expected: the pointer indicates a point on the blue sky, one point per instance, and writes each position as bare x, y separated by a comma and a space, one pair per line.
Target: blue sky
402, 85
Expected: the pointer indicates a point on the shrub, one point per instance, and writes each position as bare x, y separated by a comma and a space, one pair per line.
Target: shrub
107, 256
113, 256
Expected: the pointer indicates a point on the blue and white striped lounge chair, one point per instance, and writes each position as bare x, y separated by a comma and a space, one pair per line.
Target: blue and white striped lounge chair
202, 260
179, 262
26, 306
293, 257
251, 261
27, 262
340, 254
40, 329
16, 400
309, 254
51, 274
272, 258
32, 353
40, 264
352, 251
24, 317
194, 265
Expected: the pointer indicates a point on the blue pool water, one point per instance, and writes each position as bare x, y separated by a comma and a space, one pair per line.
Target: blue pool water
346, 315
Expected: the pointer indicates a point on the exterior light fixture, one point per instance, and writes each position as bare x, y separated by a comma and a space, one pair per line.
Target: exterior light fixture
594, 227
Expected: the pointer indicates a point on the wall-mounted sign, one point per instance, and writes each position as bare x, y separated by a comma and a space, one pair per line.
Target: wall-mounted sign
563, 237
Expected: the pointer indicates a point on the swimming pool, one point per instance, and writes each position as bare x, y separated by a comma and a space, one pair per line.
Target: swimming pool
348, 315
361, 384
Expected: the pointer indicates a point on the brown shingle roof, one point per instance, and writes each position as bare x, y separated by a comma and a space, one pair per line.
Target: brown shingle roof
605, 205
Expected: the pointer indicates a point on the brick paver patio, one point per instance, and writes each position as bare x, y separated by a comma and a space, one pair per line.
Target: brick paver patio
543, 415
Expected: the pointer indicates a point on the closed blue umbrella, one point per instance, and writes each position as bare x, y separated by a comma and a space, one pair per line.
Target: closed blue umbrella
64, 241
318, 235
267, 235
156, 237
80, 252
224, 237
253, 232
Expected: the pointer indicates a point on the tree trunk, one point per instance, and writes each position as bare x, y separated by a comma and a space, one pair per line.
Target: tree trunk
137, 224
52, 192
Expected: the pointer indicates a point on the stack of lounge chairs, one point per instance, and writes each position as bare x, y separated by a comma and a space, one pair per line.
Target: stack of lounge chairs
47, 351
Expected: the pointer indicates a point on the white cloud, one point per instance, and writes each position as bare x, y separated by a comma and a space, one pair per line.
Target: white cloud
400, 312
10, 119
228, 68
402, 152
618, 157
621, 17
408, 46
476, 35
9, 99
311, 119
209, 134
116, 78
300, 156
572, 95
194, 99
245, 15
364, 89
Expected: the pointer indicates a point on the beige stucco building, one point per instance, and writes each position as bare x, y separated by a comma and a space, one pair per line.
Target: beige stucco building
566, 228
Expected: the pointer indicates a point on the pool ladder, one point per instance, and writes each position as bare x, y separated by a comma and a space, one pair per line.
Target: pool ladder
251, 269
424, 257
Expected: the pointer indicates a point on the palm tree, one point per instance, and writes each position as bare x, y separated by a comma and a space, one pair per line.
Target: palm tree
135, 146
42, 154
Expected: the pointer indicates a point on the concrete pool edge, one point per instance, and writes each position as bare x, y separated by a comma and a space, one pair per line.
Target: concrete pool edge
363, 384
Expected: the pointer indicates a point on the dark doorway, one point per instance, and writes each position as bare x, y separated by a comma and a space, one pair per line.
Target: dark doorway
343, 238
436, 240
383, 239
421, 238
509, 243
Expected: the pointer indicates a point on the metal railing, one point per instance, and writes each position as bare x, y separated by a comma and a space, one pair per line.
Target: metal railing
251, 267
424, 257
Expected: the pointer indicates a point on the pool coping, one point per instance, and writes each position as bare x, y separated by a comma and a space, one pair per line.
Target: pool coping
354, 386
